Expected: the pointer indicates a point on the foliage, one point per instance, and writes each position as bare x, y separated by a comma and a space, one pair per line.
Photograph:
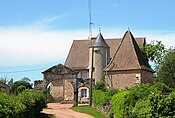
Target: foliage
142, 109
166, 69
26, 105
21, 88
118, 103
99, 101
153, 51
10, 108
4, 80
14, 88
143, 101
161, 87
10, 82
100, 86
111, 92
88, 110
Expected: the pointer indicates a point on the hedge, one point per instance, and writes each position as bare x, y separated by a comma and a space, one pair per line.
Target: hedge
144, 101
26, 105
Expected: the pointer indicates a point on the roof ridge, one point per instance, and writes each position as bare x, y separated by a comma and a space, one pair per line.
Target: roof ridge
133, 42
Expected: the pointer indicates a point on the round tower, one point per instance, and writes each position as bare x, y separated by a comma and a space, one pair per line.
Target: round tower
101, 53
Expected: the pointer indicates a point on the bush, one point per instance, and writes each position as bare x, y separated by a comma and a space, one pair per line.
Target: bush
161, 87
112, 91
10, 108
142, 109
99, 98
118, 104
25, 105
100, 86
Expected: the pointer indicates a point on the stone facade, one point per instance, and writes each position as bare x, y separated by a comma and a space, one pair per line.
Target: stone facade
123, 79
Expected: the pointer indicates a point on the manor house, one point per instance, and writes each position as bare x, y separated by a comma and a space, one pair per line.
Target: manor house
117, 61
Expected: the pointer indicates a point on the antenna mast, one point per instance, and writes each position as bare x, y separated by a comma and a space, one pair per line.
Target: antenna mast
90, 19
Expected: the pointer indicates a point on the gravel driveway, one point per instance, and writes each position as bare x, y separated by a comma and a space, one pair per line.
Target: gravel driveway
63, 111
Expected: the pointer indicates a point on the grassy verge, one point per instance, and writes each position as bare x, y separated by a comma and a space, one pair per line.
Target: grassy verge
88, 110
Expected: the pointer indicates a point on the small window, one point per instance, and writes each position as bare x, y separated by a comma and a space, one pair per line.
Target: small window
83, 93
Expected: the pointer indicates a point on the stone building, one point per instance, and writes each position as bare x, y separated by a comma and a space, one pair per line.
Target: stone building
118, 61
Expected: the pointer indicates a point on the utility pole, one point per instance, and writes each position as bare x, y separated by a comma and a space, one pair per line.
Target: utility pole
91, 79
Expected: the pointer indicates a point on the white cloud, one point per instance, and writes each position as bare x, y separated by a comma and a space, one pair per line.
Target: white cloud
23, 46
26, 47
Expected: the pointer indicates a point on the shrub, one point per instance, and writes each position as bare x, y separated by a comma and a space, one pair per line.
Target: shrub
118, 103
99, 98
34, 101
112, 91
142, 109
161, 87
10, 108
26, 105
100, 86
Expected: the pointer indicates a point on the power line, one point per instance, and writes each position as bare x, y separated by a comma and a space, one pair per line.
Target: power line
21, 71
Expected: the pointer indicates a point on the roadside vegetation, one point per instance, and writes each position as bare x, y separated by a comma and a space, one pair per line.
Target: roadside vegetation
26, 104
22, 101
88, 110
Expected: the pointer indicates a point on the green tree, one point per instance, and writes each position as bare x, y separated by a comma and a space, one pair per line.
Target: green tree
4, 80
153, 51
23, 82
10, 83
166, 69
26, 79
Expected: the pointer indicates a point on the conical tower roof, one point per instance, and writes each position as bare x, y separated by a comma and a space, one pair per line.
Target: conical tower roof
128, 56
100, 42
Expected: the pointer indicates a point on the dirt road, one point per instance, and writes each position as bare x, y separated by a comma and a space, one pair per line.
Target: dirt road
63, 111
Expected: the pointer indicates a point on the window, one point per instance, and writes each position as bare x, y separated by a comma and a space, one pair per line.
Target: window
83, 93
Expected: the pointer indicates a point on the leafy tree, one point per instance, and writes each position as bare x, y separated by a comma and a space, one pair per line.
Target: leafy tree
26, 79
21, 88
153, 51
22, 82
10, 83
4, 80
166, 69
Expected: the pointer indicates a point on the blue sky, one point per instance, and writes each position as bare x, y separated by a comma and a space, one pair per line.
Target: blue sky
37, 34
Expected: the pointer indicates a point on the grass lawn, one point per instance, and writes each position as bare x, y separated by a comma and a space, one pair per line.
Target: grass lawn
42, 115
88, 110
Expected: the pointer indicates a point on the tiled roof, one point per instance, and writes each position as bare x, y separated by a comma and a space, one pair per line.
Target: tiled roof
78, 57
128, 56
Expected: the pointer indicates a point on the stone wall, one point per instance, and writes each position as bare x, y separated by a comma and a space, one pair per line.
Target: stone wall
123, 79
56, 90
61, 90
69, 91
38, 84
146, 77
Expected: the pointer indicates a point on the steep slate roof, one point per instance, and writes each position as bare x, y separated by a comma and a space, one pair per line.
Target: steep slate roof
78, 57
100, 42
128, 56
